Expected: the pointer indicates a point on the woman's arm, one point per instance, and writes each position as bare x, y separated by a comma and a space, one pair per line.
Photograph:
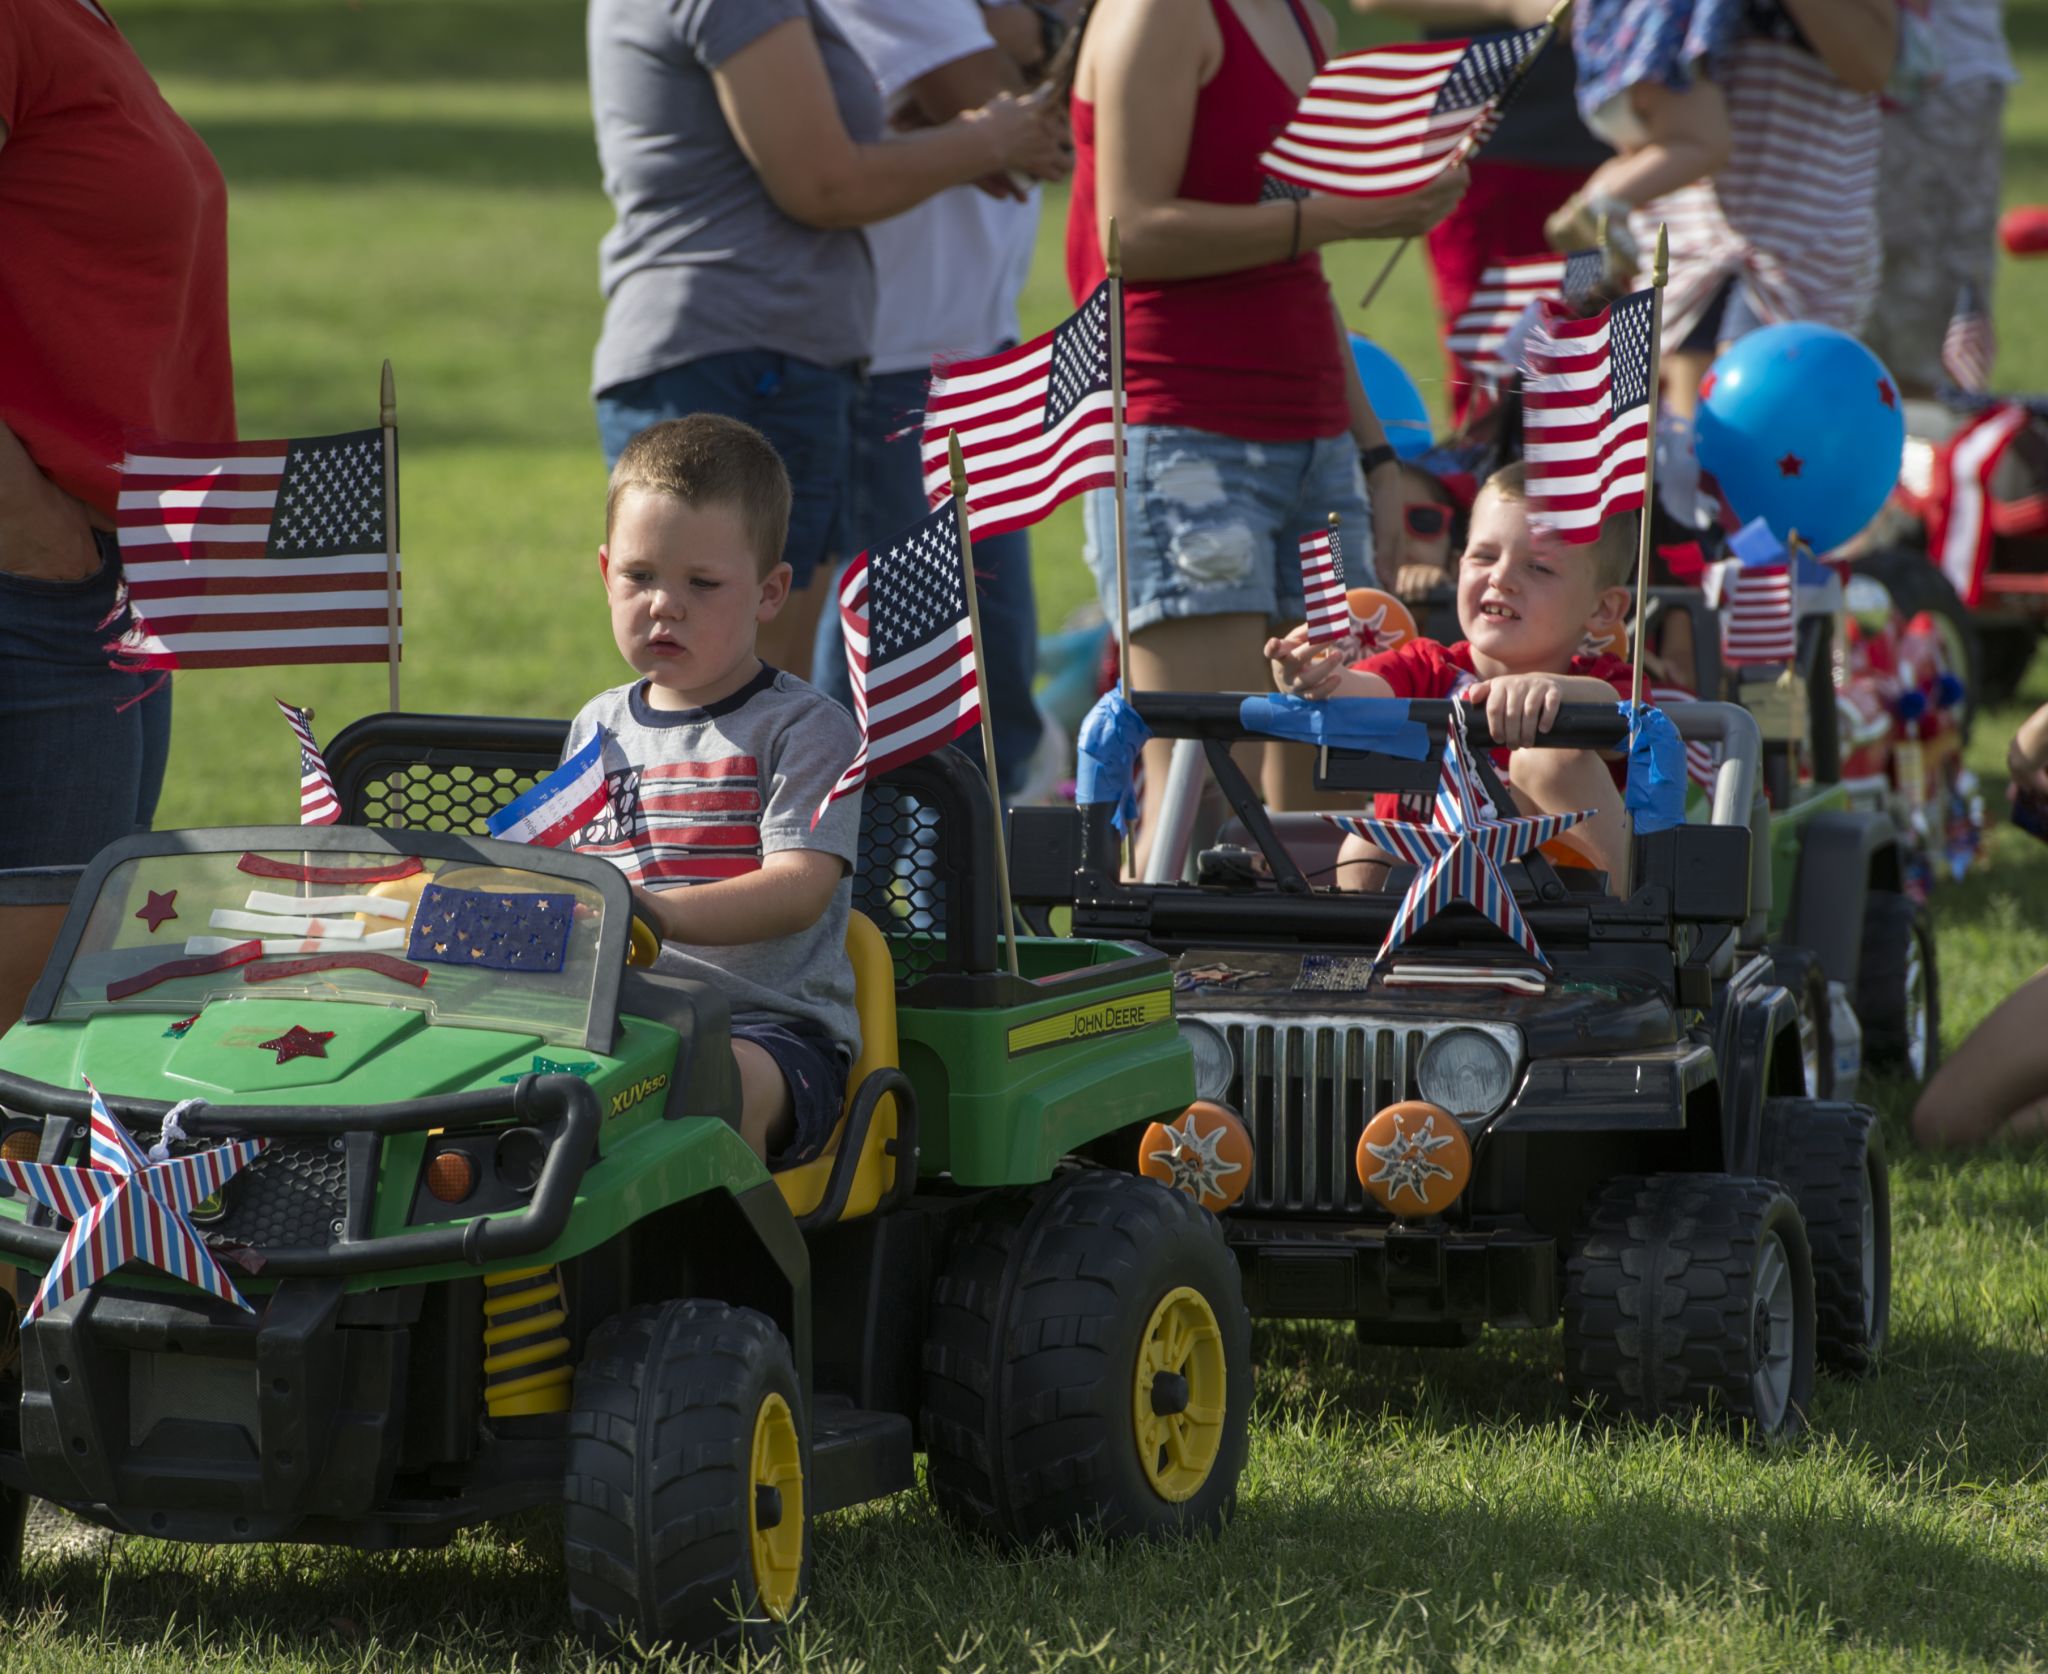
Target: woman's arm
1460, 14
778, 101
1144, 65
1856, 39
1383, 481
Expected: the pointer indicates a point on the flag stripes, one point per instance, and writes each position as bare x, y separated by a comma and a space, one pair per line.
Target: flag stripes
318, 803
1585, 414
1322, 587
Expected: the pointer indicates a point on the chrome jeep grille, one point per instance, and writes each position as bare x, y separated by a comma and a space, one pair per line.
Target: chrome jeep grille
1307, 1087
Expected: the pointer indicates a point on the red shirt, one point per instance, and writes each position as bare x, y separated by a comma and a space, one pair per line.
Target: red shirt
1253, 354
113, 281
1422, 668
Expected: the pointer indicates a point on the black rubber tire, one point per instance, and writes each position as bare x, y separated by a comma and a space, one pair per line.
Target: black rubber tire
1916, 583
657, 1483
1799, 973
1660, 1300
1031, 1352
1893, 924
2008, 652
1831, 1158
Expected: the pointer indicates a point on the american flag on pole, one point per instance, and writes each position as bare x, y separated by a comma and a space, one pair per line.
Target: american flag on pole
243, 554
1480, 333
123, 1207
1758, 605
1385, 121
1969, 347
318, 804
1585, 414
1036, 423
909, 649
1322, 587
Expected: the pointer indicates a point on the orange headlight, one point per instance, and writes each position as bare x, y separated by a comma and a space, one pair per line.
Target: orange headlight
1414, 1158
1207, 1153
21, 1142
451, 1176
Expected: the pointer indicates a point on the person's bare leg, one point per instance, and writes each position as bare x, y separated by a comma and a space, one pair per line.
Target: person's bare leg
767, 1112
1683, 370
1195, 654
26, 936
1565, 781
1996, 1080
1361, 864
786, 642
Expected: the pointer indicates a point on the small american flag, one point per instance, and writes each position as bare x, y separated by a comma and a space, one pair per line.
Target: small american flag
125, 1207
1385, 121
1505, 290
1759, 608
909, 649
1036, 423
1969, 348
1585, 414
318, 804
1322, 587
245, 554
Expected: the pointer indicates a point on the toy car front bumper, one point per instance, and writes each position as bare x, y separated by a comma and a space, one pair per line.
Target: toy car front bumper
1420, 1275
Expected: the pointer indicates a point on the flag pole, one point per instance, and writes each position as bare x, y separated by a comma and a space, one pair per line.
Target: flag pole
1474, 138
1658, 274
1116, 420
387, 417
988, 731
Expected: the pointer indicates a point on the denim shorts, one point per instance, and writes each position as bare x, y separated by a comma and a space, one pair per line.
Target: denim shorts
816, 1070
82, 749
804, 409
1215, 523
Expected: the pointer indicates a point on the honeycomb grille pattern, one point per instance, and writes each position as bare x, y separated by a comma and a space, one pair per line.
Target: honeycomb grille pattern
455, 797
293, 1194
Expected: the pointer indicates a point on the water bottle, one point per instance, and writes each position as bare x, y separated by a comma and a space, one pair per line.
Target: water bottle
1848, 1038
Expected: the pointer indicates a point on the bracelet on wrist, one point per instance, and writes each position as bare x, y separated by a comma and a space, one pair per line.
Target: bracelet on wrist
1372, 458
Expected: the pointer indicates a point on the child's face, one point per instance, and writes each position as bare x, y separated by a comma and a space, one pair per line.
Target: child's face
686, 597
1526, 600
1428, 521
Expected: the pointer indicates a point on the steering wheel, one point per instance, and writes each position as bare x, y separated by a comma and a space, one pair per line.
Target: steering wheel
643, 943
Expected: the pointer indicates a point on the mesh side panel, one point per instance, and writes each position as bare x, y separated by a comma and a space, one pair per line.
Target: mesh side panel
901, 884
455, 797
294, 1194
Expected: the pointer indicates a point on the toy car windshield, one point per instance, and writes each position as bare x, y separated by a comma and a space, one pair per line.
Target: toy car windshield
462, 936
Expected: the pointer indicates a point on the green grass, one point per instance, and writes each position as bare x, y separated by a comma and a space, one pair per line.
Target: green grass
415, 178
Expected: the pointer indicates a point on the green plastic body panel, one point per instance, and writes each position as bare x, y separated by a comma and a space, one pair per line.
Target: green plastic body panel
1787, 833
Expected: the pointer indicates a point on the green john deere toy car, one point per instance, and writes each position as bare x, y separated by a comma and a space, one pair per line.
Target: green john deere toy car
503, 1248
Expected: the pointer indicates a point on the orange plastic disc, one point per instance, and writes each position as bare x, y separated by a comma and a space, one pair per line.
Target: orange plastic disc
1613, 643
1380, 620
1207, 1153
1414, 1158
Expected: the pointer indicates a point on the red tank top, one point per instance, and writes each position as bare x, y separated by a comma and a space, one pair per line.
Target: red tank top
1253, 354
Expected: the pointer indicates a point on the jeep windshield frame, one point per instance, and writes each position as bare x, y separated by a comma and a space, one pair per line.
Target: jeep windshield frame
576, 1005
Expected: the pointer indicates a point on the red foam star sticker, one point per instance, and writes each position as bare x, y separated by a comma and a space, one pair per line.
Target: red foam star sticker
1886, 393
157, 908
1706, 386
297, 1042
1790, 465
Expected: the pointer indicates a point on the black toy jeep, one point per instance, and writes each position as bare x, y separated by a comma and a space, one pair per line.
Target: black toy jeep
1622, 1140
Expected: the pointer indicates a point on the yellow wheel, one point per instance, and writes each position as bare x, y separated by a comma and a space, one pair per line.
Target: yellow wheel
775, 1508
1179, 1394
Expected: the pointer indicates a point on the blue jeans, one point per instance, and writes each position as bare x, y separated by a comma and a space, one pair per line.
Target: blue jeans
804, 409
887, 497
1214, 524
82, 758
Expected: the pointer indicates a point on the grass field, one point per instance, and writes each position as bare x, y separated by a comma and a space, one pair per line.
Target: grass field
415, 178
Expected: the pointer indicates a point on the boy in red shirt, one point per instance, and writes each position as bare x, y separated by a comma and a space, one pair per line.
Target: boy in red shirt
1527, 602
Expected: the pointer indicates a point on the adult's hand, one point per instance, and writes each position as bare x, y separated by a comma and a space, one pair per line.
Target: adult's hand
45, 534
1328, 219
1026, 135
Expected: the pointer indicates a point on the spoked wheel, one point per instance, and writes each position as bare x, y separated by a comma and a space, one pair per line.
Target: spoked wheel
1831, 1158
1693, 1294
1180, 1394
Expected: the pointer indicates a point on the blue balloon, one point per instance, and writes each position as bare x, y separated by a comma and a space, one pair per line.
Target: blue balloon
1803, 427
1393, 395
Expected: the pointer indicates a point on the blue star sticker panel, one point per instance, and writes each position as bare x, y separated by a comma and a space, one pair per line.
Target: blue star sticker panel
490, 930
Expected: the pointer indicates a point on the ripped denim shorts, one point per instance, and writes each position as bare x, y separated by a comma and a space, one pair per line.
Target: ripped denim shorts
1215, 522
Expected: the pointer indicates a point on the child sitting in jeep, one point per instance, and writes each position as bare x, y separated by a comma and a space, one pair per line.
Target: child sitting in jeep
1526, 601
716, 763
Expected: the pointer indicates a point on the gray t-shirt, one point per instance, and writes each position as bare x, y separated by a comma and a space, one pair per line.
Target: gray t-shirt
696, 795
700, 261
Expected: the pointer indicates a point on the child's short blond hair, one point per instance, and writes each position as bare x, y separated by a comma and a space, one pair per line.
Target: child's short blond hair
708, 459
1613, 550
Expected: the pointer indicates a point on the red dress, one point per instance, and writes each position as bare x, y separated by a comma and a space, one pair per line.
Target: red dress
1253, 354
113, 282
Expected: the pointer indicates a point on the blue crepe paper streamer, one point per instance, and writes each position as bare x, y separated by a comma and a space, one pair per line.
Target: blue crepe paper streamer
1108, 747
1378, 724
1655, 797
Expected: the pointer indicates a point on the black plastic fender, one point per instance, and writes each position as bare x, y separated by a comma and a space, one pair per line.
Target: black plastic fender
1758, 1018
1843, 855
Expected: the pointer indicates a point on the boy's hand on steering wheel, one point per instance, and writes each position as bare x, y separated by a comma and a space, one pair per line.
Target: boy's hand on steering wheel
1519, 707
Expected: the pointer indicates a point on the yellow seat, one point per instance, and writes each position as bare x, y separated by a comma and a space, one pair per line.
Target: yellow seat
874, 1173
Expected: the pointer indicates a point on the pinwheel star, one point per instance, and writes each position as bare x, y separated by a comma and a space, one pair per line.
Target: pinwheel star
1408, 1161
123, 1207
1370, 630
1192, 1159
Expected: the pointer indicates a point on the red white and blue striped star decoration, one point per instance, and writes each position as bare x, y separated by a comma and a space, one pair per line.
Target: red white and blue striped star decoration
1460, 853
1322, 587
123, 1207
318, 805
1388, 120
